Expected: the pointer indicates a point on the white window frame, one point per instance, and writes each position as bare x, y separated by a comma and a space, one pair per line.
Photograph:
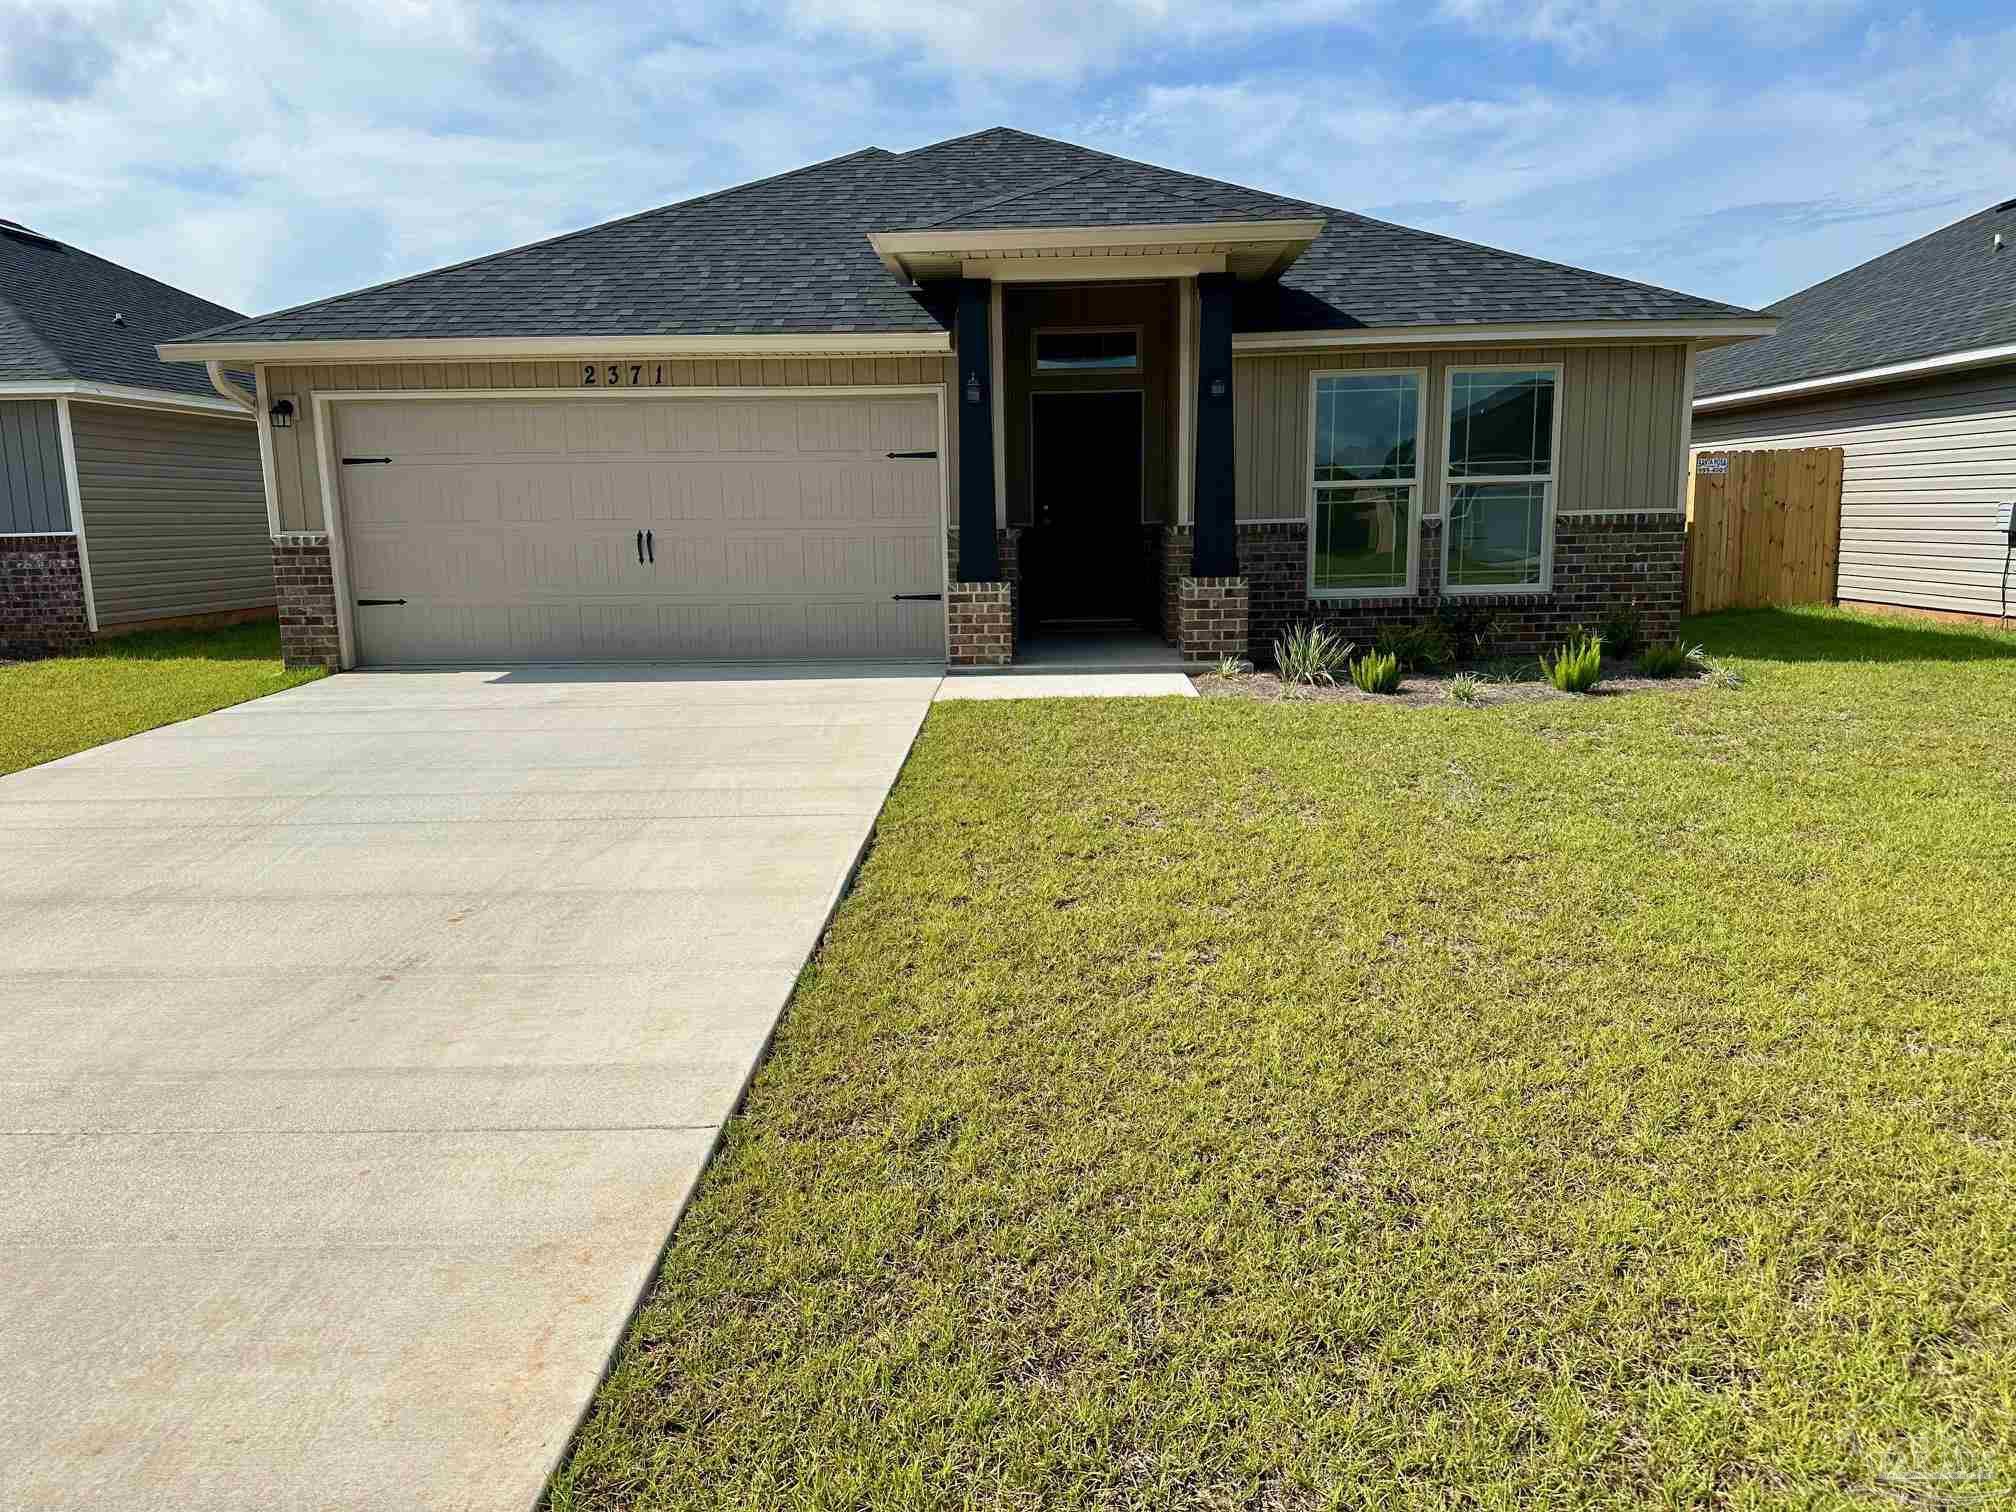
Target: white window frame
1549, 505
1037, 370
1419, 485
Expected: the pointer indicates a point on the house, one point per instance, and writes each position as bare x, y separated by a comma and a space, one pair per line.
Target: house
130, 490
945, 402
1908, 364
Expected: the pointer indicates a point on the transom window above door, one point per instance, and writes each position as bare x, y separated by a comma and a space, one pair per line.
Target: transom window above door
1365, 481
1088, 351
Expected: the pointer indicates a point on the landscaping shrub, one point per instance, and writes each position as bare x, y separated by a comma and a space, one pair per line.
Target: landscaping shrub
1671, 659
1577, 666
1376, 672
1423, 647
1310, 654
1470, 630
1623, 630
1466, 687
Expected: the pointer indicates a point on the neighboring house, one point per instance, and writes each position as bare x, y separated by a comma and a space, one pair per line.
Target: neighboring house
781, 420
1908, 364
130, 491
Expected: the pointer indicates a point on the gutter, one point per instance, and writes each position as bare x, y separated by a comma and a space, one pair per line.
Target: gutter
221, 381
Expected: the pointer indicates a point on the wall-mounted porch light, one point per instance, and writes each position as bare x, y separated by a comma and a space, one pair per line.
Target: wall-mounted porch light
282, 413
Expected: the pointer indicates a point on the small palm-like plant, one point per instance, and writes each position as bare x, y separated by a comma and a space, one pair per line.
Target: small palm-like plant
1310, 655
1466, 688
1577, 666
1671, 659
1376, 673
1231, 666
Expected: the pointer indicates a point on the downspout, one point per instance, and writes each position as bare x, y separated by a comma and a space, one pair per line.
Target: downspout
220, 382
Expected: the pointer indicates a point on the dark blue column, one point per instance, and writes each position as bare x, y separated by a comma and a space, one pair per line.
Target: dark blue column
1216, 549
979, 561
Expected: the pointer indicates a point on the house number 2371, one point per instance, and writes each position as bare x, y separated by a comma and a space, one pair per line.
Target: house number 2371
622, 374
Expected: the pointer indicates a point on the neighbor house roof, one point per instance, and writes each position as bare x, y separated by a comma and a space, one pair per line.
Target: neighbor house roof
790, 255
1952, 291
67, 316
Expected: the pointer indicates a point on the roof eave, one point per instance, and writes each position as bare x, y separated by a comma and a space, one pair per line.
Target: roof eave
1890, 372
1704, 333
125, 395
917, 255
224, 348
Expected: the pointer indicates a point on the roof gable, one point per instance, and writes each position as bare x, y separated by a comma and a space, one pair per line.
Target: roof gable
66, 315
1951, 291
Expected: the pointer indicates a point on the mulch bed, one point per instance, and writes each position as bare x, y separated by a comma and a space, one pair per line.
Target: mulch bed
1418, 688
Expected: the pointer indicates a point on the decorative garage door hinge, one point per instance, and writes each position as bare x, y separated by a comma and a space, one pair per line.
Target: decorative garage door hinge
365, 461
374, 603
902, 456
929, 598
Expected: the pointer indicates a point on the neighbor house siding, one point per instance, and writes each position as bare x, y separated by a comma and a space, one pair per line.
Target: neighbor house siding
1923, 467
1621, 423
33, 497
174, 512
297, 481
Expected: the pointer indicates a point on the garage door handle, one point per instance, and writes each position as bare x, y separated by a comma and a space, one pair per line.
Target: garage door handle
640, 548
651, 546
367, 461
375, 603
903, 598
905, 456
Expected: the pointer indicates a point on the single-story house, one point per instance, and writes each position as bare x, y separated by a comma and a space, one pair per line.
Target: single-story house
1908, 364
938, 403
130, 490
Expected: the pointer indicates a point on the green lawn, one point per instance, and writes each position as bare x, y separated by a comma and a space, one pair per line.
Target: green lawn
1237, 1105
133, 683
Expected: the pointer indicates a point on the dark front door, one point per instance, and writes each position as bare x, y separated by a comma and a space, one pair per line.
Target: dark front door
1086, 569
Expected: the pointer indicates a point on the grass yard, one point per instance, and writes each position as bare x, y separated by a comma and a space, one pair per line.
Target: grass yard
133, 683
1225, 1104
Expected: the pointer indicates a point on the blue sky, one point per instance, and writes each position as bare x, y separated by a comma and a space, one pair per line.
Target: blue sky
262, 156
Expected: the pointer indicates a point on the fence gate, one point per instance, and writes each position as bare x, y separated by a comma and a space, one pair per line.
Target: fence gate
1763, 527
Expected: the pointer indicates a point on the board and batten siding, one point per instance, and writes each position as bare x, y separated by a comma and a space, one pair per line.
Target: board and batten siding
1923, 466
297, 479
1622, 423
34, 500
175, 513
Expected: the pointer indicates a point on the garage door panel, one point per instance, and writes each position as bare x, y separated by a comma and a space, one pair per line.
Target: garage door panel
779, 528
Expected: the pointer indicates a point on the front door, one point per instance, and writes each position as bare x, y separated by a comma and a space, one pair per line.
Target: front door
1086, 570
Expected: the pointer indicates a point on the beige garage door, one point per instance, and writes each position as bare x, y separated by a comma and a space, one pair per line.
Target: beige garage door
607, 529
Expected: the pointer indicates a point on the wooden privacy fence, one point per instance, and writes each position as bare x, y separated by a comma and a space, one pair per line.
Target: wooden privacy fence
1763, 527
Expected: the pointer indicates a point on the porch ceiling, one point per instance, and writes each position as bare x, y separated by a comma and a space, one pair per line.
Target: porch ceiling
1029, 254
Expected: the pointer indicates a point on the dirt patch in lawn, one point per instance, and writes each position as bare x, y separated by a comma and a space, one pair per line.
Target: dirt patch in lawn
1418, 688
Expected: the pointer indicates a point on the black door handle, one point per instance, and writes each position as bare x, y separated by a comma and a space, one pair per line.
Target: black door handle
640, 548
908, 456
917, 597
651, 546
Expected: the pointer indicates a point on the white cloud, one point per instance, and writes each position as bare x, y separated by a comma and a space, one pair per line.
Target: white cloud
1584, 27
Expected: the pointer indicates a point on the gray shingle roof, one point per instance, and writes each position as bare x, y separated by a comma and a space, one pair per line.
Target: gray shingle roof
56, 309
790, 255
1947, 292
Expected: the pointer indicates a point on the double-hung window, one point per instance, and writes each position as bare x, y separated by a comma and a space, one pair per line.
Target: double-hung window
1365, 481
1499, 506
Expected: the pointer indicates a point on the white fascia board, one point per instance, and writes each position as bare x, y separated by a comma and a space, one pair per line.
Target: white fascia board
896, 244
1089, 269
540, 348
122, 394
1921, 367
1706, 332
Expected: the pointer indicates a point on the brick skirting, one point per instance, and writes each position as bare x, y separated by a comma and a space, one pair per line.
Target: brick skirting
980, 624
1604, 565
42, 609
1211, 617
305, 585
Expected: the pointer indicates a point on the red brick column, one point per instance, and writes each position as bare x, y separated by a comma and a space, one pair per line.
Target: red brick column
305, 586
1211, 617
41, 596
980, 624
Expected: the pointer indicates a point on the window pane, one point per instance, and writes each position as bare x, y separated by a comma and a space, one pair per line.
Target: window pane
1365, 427
1085, 351
1496, 532
1501, 425
1361, 537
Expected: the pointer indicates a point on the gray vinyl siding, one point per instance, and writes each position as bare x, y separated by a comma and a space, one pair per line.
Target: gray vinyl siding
33, 498
1923, 467
174, 513
1622, 423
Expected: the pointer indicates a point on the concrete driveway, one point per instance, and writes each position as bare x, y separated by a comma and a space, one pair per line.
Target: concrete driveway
360, 1046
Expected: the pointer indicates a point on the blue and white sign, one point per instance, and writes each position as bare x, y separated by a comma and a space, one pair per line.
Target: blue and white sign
1711, 466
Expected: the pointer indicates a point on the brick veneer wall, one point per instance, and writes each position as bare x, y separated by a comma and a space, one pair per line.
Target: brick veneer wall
305, 586
41, 596
1211, 617
1008, 549
1604, 564
980, 624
